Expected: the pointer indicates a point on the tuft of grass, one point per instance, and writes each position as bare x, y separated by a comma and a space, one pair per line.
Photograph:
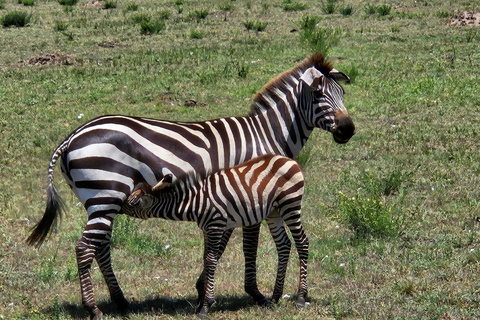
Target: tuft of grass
68, 2
370, 9
109, 4
152, 27
2, 4
132, 6
255, 25
320, 39
290, 5
16, 19
198, 14
60, 26
383, 10
140, 17
346, 11
27, 3
329, 6
195, 34
309, 22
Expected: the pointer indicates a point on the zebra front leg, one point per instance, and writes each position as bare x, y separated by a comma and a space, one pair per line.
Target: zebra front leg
283, 244
212, 237
200, 285
301, 243
250, 246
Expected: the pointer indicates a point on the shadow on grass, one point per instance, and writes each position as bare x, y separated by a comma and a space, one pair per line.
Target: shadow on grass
159, 305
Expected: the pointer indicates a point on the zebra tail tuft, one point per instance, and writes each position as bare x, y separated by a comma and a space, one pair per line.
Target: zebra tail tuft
55, 206
53, 211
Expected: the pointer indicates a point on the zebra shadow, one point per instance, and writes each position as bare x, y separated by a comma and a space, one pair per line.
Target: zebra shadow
157, 306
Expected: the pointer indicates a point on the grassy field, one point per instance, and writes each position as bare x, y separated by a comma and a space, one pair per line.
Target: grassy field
392, 216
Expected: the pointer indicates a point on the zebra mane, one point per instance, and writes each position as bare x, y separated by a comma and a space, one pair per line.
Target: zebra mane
317, 60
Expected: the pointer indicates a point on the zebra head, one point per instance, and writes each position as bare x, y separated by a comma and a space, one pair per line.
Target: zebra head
324, 108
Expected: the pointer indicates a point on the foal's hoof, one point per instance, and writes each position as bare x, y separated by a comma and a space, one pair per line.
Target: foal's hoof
98, 315
122, 304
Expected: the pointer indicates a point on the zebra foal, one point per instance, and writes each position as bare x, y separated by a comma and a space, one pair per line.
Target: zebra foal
266, 188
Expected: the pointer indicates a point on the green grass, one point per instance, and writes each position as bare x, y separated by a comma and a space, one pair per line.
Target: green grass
414, 100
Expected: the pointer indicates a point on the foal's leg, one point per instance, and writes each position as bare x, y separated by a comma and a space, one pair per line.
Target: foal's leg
301, 242
200, 285
213, 237
250, 247
283, 244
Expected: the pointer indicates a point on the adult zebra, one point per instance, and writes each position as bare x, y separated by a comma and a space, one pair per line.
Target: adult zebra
105, 158
269, 188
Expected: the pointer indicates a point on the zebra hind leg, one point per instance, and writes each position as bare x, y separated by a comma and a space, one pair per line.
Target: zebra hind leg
200, 285
283, 244
250, 246
212, 239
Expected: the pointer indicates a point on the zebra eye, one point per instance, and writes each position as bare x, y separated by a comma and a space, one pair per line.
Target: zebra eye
317, 95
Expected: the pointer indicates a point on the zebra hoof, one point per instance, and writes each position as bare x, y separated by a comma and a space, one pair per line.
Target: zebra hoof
203, 312
300, 302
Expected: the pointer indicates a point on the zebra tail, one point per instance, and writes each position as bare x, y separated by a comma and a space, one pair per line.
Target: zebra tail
55, 206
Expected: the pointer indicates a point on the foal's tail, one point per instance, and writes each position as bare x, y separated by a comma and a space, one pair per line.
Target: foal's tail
54, 207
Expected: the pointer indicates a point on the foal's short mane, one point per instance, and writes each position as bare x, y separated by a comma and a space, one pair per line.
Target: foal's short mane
316, 60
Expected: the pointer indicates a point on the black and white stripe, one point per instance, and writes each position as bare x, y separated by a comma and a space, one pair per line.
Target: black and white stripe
105, 158
266, 188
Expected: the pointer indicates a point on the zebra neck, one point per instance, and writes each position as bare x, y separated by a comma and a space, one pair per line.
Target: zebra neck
281, 128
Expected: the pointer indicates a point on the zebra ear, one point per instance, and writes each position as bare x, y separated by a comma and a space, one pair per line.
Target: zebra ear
312, 77
339, 76
165, 182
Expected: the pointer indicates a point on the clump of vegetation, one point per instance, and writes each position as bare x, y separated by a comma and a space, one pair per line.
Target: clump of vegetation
368, 217
60, 26
2, 4
370, 9
318, 38
27, 3
68, 2
346, 11
152, 27
109, 4
329, 6
198, 14
290, 5
16, 19
196, 34
255, 25
132, 6
384, 9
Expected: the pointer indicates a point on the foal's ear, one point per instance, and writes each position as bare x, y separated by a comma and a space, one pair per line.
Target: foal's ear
339, 76
312, 77
166, 181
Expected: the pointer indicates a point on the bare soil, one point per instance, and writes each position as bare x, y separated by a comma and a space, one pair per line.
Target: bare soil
469, 19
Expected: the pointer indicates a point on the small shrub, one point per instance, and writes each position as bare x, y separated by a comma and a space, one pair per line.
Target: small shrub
383, 10
68, 2
109, 4
151, 27
16, 19
290, 5
132, 6
346, 11
329, 7
195, 34
368, 217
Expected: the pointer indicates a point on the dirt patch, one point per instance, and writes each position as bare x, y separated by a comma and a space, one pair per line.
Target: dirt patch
52, 59
470, 19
